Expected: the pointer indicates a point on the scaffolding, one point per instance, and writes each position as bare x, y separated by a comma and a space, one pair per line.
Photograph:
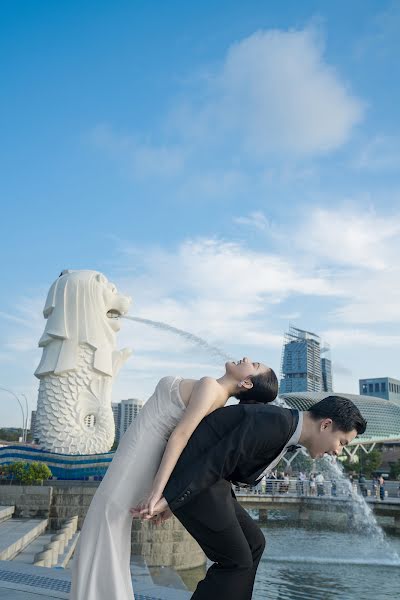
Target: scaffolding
301, 361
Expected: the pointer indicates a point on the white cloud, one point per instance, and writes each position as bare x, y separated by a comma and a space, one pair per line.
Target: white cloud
350, 237
359, 337
223, 278
354, 250
339, 272
274, 93
273, 97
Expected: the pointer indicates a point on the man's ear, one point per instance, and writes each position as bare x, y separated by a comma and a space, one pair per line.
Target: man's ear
325, 423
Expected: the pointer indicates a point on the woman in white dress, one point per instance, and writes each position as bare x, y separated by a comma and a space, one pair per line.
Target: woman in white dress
140, 469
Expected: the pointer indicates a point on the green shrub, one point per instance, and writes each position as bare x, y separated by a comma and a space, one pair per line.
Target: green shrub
28, 473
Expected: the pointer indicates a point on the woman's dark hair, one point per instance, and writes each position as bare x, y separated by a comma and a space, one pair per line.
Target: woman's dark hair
264, 390
343, 412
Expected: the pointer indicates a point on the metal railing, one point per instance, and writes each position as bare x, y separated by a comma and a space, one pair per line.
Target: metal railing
329, 488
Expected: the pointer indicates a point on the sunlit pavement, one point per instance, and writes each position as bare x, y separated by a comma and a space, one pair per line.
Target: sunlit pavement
27, 582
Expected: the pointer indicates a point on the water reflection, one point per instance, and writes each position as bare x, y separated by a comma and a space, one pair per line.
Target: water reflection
342, 582
299, 584
304, 564
316, 564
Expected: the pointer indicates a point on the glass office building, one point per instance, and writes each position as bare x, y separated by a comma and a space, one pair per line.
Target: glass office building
326, 370
306, 365
381, 387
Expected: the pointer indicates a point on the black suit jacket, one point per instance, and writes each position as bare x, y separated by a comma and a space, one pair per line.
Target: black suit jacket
234, 443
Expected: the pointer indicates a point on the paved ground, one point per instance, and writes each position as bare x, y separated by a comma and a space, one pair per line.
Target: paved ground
19, 581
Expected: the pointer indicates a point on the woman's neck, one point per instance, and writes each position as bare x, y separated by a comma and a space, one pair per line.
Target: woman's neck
229, 384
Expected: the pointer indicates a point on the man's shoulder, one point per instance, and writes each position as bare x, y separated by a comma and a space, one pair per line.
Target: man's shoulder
241, 413
269, 411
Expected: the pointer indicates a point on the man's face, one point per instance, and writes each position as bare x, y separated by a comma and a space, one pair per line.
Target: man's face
328, 440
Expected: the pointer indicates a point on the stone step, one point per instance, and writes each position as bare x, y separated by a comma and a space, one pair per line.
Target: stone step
6, 512
16, 534
65, 557
27, 555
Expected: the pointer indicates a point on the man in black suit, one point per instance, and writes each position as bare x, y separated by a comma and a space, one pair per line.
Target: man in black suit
240, 444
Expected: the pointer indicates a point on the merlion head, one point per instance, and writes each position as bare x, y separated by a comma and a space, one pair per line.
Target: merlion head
79, 310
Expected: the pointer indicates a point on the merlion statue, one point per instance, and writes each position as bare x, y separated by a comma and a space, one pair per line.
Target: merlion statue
79, 361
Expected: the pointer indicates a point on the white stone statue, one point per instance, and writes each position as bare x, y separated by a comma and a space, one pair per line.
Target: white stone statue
79, 361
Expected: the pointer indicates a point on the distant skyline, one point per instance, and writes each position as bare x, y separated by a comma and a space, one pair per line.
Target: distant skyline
232, 166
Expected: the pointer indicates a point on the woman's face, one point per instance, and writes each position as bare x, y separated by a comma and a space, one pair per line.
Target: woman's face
244, 368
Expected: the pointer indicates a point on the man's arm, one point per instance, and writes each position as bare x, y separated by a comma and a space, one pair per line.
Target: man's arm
211, 466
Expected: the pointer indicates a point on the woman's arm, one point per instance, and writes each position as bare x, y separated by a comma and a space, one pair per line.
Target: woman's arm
202, 400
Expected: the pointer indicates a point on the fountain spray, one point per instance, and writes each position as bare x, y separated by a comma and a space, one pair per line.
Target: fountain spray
189, 337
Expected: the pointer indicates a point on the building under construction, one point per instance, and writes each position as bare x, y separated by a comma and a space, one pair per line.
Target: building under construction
306, 366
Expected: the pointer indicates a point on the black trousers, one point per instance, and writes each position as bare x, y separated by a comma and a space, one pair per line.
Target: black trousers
229, 537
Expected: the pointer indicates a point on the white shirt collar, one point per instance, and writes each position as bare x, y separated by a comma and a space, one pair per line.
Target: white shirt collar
291, 442
297, 432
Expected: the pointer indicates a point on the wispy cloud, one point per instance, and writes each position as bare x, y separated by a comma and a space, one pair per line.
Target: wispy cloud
139, 158
255, 219
357, 337
351, 236
382, 34
381, 153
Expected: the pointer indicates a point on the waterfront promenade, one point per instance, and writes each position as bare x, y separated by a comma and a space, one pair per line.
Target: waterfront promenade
27, 582
22, 581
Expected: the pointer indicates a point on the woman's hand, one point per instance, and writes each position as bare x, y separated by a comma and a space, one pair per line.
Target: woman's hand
141, 512
147, 506
150, 503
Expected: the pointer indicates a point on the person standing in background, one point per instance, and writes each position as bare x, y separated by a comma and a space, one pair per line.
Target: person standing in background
381, 488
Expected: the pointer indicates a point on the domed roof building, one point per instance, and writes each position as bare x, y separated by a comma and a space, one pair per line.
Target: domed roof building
383, 416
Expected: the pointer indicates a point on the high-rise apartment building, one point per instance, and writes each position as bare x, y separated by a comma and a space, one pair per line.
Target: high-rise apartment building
33, 424
386, 388
116, 408
129, 411
326, 370
303, 369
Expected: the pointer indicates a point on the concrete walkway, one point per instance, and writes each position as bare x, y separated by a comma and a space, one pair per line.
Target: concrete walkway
19, 581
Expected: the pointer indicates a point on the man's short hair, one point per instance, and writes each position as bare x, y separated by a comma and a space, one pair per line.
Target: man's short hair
343, 412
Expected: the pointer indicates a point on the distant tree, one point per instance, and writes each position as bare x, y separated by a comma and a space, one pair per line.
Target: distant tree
366, 464
371, 462
302, 462
395, 470
10, 435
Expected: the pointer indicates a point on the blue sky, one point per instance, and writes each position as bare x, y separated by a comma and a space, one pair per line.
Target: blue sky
233, 166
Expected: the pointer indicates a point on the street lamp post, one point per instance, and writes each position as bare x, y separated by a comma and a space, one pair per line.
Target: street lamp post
22, 410
26, 418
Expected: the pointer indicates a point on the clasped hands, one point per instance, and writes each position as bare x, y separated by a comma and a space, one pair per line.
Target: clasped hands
154, 509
